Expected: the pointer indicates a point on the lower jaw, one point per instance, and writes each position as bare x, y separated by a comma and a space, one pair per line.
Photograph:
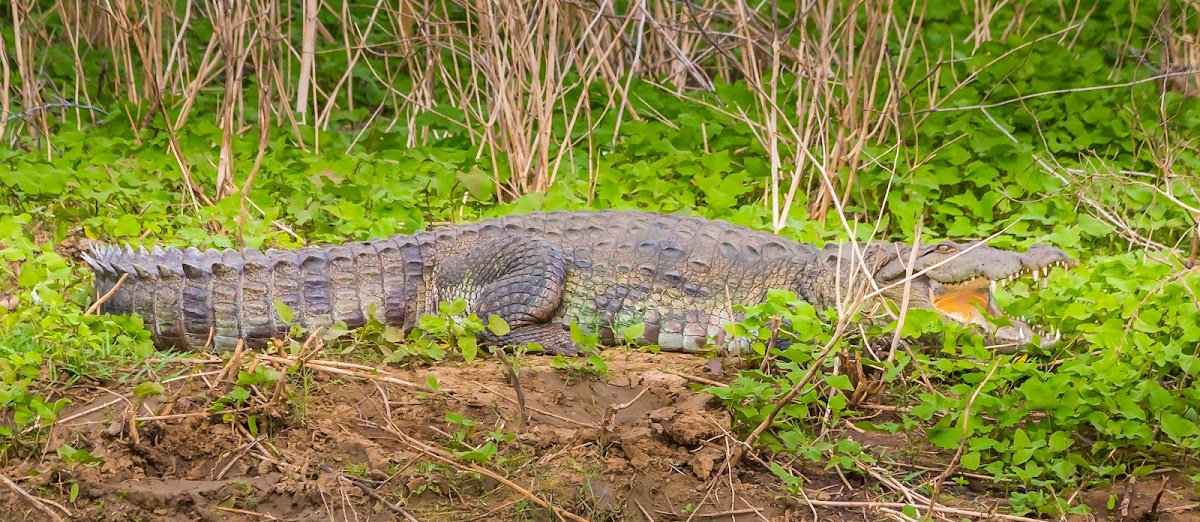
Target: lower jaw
1001, 346
1016, 338
1028, 342
1012, 338
1010, 347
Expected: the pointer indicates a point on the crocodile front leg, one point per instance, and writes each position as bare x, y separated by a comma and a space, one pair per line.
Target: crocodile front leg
519, 279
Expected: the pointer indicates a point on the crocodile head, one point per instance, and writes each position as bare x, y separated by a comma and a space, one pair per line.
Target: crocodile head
959, 280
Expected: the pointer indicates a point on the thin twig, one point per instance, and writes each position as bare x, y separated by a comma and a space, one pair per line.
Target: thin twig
258, 514
731, 514
1018, 99
643, 510
32, 500
48, 106
901, 505
610, 416
516, 384
108, 295
241, 452
537, 410
962, 440
1130, 234
816, 363
696, 378
1127, 500
377, 375
439, 454
370, 491
1162, 488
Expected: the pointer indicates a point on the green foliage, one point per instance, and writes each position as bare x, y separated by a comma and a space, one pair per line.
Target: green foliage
451, 328
147, 389
73, 457
1092, 414
466, 427
594, 366
1117, 396
465, 430
46, 336
752, 395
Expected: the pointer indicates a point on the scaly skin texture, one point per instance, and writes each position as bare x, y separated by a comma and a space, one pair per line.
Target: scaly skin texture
678, 276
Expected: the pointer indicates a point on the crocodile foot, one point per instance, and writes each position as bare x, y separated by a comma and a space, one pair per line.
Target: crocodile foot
553, 339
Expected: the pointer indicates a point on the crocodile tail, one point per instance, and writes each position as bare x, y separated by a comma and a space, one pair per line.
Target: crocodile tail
209, 300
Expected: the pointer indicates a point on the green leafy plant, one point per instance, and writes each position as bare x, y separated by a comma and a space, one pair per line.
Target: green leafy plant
74, 456
1046, 130
594, 366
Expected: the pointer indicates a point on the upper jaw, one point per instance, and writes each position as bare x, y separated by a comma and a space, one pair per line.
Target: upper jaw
976, 282
969, 274
1006, 267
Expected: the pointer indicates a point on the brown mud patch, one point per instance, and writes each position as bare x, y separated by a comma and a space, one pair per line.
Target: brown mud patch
641, 442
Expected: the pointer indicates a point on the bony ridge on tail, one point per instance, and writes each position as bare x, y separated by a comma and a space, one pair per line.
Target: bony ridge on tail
678, 276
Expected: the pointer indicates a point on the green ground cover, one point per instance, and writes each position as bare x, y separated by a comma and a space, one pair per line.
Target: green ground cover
1012, 137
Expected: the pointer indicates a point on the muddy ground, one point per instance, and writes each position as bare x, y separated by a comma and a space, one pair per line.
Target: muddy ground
332, 446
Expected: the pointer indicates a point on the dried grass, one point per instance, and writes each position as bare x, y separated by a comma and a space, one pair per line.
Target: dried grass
1180, 34
511, 69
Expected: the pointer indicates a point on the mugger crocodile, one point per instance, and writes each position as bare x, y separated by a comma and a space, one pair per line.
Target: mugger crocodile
679, 276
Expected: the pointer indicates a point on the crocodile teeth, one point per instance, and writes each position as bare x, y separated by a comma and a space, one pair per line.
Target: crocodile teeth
992, 286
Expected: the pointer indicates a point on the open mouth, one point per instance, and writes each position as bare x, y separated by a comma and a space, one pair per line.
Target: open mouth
973, 302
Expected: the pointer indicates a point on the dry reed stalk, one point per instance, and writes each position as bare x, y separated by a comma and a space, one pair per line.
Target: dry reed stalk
24, 48
307, 56
632, 68
510, 67
126, 34
74, 24
203, 74
673, 50
177, 58
984, 11
113, 37
867, 71
593, 66
152, 61
1180, 39
353, 54
515, 70
264, 59
601, 31
271, 62
5, 86
521, 68
602, 65
524, 62
419, 60
844, 95
230, 20
138, 32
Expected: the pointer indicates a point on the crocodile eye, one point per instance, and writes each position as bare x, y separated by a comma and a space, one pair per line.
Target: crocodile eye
945, 248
